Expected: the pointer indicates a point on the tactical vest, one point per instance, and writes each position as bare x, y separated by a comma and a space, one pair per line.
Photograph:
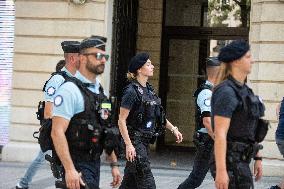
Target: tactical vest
145, 112
245, 118
198, 114
85, 130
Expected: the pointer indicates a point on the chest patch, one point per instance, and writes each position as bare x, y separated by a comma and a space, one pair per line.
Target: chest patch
149, 124
104, 114
140, 90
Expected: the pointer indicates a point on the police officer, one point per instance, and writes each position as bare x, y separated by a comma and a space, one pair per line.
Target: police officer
60, 64
71, 62
139, 112
77, 124
279, 137
71, 56
236, 111
203, 137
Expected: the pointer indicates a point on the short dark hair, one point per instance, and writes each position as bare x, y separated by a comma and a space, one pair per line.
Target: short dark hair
60, 64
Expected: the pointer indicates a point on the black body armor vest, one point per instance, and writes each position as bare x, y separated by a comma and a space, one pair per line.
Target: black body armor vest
85, 130
198, 115
245, 118
146, 111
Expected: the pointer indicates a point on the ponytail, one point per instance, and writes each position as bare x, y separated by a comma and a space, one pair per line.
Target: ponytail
131, 76
225, 71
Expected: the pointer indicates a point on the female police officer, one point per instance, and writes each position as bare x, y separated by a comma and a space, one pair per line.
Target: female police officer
236, 111
139, 113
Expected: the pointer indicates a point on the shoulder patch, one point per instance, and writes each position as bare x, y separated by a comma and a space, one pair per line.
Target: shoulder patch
58, 100
207, 102
50, 91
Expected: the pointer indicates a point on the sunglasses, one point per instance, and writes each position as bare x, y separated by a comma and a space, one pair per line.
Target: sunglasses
99, 56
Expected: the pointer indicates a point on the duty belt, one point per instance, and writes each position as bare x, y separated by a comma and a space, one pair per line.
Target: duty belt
238, 146
141, 136
242, 151
79, 156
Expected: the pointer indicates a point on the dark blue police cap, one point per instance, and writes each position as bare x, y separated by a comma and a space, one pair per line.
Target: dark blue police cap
212, 61
233, 51
70, 46
94, 41
138, 61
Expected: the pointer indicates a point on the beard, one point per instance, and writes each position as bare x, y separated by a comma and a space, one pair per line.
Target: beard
96, 69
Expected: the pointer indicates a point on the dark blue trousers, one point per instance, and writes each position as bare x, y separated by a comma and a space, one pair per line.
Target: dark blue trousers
239, 173
200, 166
138, 174
90, 173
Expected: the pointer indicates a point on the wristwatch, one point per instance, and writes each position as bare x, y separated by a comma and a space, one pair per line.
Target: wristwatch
257, 158
114, 164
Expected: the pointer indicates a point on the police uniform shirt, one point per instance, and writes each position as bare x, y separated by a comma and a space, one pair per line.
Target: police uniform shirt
69, 100
224, 101
53, 84
204, 103
130, 98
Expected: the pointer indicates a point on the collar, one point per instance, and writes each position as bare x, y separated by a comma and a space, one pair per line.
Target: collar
209, 83
237, 83
68, 73
93, 86
137, 83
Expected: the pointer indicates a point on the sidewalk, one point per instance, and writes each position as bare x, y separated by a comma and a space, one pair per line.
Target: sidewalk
169, 170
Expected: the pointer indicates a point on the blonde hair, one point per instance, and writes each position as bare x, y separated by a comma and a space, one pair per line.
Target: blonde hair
131, 76
225, 71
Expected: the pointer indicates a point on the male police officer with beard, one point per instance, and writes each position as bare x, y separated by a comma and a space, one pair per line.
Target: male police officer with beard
76, 125
203, 136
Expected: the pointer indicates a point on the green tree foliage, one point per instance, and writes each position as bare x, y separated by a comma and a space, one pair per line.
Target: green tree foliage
219, 11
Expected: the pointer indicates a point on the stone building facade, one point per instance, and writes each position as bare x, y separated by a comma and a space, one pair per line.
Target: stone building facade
267, 44
40, 27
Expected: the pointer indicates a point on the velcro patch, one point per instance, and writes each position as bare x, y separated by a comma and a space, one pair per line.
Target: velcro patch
207, 102
50, 91
58, 100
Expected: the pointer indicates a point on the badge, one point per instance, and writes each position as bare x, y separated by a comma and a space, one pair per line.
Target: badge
104, 114
140, 90
50, 91
207, 102
58, 100
149, 124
